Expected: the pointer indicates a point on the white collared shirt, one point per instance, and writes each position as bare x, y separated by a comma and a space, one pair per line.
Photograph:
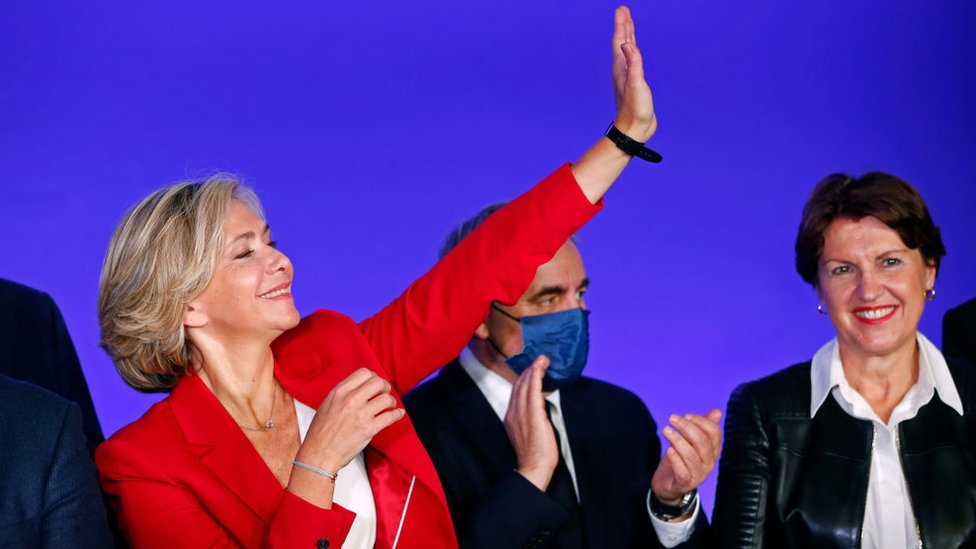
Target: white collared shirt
888, 517
498, 391
352, 489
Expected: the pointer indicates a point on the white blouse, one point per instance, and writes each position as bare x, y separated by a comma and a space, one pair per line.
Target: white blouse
889, 520
352, 490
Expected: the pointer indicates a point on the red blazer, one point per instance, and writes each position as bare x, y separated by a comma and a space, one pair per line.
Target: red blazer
185, 475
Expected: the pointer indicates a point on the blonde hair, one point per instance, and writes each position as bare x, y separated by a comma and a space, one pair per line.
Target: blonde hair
162, 256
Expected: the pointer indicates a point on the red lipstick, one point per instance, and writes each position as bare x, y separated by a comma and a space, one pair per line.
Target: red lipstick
872, 319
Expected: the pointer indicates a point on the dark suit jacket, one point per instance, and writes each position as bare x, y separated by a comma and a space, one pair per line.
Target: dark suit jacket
959, 332
615, 451
35, 347
49, 494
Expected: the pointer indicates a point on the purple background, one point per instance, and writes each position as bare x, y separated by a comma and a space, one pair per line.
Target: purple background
371, 128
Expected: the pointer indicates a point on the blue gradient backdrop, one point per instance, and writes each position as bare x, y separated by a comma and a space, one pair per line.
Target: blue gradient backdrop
371, 128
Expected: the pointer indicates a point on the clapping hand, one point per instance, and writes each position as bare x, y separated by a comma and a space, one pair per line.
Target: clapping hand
696, 442
528, 426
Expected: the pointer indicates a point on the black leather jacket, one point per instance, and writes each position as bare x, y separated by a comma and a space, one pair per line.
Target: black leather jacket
786, 480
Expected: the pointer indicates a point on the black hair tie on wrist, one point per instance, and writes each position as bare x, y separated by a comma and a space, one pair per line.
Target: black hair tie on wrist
631, 146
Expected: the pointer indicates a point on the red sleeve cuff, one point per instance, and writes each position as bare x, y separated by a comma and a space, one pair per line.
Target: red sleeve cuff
586, 208
298, 523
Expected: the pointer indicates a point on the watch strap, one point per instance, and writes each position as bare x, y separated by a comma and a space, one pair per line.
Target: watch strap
667, 513
631, 146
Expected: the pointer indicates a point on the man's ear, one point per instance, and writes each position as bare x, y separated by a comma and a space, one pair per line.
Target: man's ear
194, 317
482, 331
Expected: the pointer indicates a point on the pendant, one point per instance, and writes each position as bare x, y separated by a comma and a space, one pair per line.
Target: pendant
269, 425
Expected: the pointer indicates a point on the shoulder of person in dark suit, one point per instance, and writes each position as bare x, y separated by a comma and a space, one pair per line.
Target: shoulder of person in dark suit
36, 347
608, 421
426, 401
51, 496
626, 404
959, 332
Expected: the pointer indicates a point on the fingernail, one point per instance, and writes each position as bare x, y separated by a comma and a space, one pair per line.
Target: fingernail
688, 417
674, 418
668, 431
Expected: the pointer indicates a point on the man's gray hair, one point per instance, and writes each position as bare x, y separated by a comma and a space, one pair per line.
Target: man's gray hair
468, 226
462, 231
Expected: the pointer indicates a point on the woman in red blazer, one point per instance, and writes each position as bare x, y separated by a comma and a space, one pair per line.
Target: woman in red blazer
286, 432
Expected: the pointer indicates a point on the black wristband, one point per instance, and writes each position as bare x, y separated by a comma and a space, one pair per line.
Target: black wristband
667, 513
631, 146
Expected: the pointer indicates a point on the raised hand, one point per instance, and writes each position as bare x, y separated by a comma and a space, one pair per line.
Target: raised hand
529, 429
696, 442
350, 416
600, 166
635, 105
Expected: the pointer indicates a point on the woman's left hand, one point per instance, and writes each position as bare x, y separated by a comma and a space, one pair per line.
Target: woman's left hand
696, 442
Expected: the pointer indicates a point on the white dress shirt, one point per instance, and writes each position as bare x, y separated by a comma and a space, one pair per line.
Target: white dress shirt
498, 392
888, 517
352, 489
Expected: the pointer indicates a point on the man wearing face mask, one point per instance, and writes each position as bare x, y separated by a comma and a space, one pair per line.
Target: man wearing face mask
532, 454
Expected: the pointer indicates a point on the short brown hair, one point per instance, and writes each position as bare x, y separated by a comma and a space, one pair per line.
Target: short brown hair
889, 199
162, 256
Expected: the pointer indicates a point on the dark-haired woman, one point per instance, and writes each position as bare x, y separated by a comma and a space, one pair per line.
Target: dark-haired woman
872, 443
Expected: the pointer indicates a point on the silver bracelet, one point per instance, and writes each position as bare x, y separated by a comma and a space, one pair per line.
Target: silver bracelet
323, 472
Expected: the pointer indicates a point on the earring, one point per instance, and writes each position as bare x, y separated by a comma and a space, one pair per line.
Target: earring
930, 294
822, 309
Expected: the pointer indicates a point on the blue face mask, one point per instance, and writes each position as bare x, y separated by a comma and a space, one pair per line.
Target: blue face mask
564, 338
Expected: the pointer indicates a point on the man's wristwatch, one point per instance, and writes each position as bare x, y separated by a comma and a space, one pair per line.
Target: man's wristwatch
668, 513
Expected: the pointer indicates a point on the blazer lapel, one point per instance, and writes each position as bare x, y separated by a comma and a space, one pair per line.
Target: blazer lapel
588, 455
395, 456
476, 419
222, 447
483, 430
310, 381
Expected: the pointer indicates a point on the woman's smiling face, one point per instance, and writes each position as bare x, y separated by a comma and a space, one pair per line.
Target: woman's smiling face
250, 293
873, 286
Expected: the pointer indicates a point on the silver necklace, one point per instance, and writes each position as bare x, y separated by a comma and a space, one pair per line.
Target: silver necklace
268, 425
